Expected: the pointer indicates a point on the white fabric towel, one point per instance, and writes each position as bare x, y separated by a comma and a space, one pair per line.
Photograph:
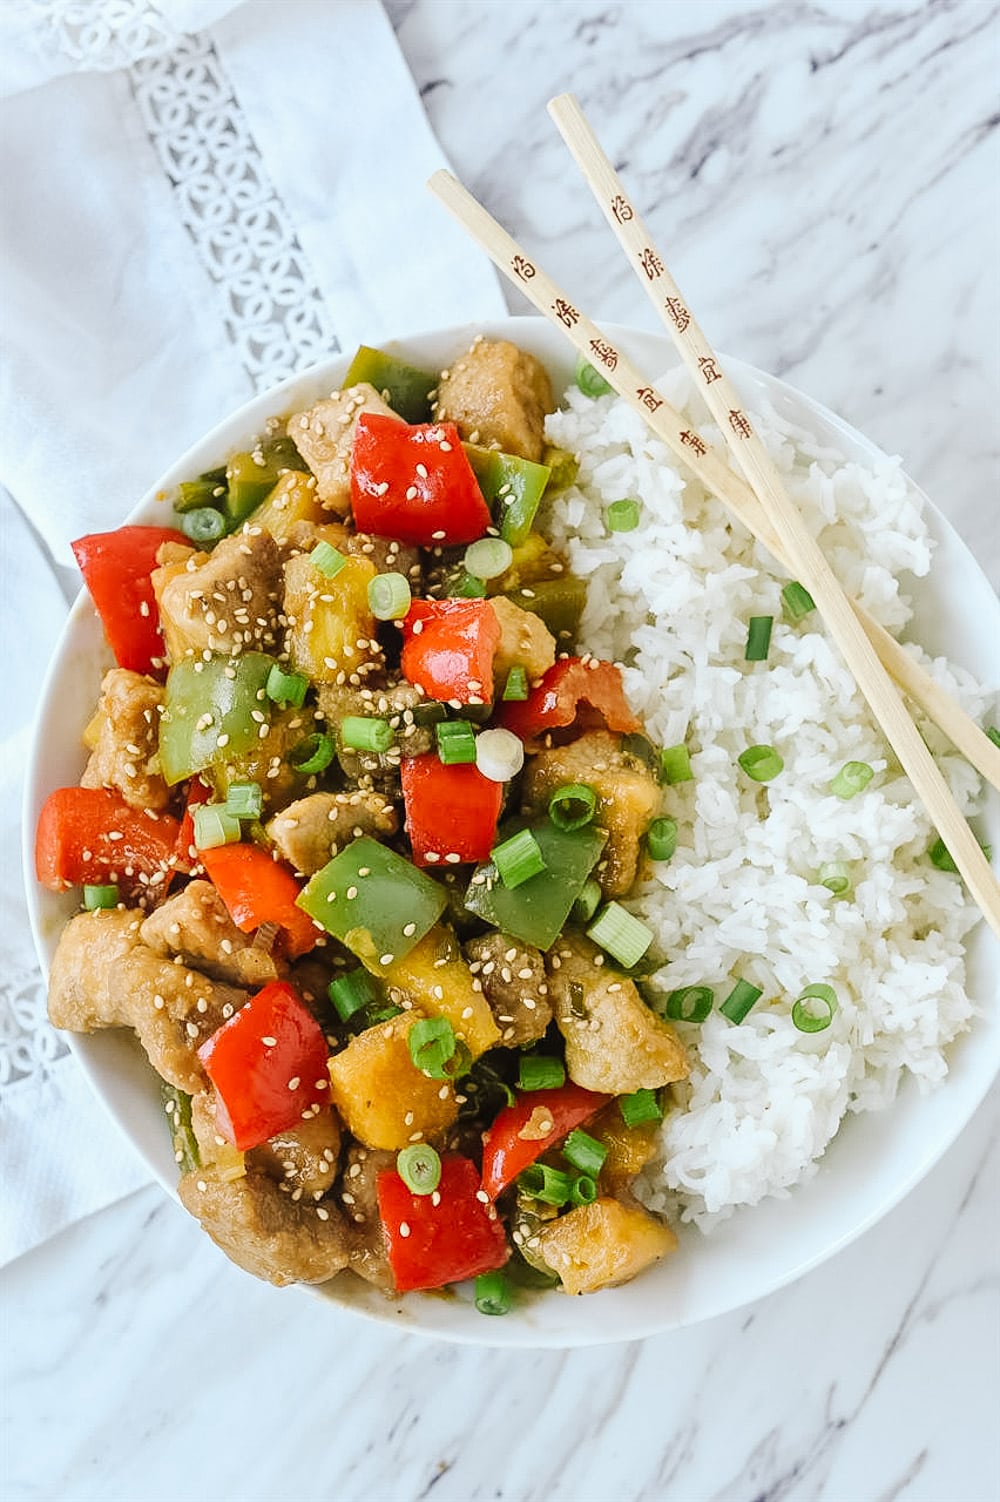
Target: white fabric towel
189, 216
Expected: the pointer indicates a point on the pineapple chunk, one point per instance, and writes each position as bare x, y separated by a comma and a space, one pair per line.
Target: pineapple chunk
629, 1147
329, 619
292, 500
435, 978
603, 1244
383, 1099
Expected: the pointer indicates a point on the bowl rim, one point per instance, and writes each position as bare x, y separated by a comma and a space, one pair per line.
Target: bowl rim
249, 415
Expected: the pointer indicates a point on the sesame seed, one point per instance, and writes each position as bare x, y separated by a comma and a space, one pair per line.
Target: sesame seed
294, 1082
269, 1042
323, 1214
409, 929
386, 959
404, 1229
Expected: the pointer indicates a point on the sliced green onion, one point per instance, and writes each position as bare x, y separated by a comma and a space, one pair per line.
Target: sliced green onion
640, 1106
741, 1000
797, 600
499, 754
621, 934
432, 1044
244, 800
286, 688
542, 1182
456, 742
98, 896
852, 778
941, 857
204, 524
994, 734
573, 805
488, 558
759, 638
538, 1071
661, 839
518, 859
349, 993
314, 754
584, 1152
761, 763
516, 686
460, 1061
811, 1018
419, 1167
389, 597
675, 765
836, 877
359, 733
590, 380
214, 826
588, 902
584, 1190
493, 1294
470, 587
325, 557
622, 516
690, 1003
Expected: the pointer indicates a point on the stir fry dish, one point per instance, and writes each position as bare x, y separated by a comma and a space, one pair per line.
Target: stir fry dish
354, 841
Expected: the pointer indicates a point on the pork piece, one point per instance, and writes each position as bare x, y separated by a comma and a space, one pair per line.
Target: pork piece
223, 601
525, 640
309, 833
213, 1149
614, 1043
324, 436
303, 1158
359, 1197
627, 798
80, 996
497, 396
124, 740
173, 1011
263, 1230
512, 975
196, 925
604, 1244
388, 555
395, 703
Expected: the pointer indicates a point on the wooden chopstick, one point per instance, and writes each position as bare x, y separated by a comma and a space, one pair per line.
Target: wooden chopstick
787, 539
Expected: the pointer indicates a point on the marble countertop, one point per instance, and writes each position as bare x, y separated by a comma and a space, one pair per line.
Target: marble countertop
824, 179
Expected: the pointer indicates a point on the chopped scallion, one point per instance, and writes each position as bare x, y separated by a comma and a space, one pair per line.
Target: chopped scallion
516, 686
540, 1072
470, 587
518, 859
542, 1182
994, 734
761, 763
313, 754
814, 1009
940, 856
349, 993
740, 1001
797, 600
286, 688
584, 1190
588, 902
488, 558
389, 596
621, 934
95, 897
640, 1106
432, 1043
836, 877
759, 638
675, 765
499, 754
584, 1152
661, 839
493, 1294
203, 524
573, 805
589, 380
456, 742
852, 778
244, 800
327, 560
690, 1003
214, 826
622, 516
419, 1167
359, 733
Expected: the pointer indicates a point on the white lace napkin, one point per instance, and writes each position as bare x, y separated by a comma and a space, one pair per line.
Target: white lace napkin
189, 216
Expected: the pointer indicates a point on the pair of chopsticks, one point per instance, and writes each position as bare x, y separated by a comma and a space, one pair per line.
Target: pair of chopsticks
760, 501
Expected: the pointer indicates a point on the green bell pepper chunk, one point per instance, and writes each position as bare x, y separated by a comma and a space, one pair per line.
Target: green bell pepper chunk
178, 1108
522, 483
536, 911
374, 901
559, 603
208, 490
251, 479
208, 702
407, 390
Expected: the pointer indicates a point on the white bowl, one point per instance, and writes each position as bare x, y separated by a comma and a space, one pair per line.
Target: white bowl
875, 1159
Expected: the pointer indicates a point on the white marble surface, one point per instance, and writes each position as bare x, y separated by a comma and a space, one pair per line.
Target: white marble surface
825, 181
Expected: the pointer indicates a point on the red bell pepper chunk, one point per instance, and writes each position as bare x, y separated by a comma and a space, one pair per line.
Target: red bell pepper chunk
256, 890
415, 483
186, 857
586, 695
430, 1243
506, 1151
448, 649
450, 810
90, 836
268, 1066
116, 567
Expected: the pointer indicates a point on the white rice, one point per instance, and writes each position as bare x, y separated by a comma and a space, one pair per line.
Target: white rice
670, 601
